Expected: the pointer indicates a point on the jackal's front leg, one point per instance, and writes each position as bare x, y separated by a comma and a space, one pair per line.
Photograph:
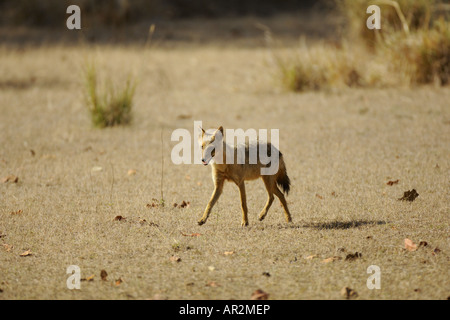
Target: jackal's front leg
215, 196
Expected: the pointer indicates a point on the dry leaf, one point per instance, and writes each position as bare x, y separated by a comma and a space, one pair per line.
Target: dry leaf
191, 235
319, 196
410, 246
119, 218
353, 256
11, 178
436, 251
331, 259
391, 183
118, 282
96, 169
423, 244
16, 212
212, 284
184, 204
131, 172
228, 253
26, 253
90, 278
175, 259
7, 247
409, 195
348, 293
259, 295
311, 257
184, 116
104, 275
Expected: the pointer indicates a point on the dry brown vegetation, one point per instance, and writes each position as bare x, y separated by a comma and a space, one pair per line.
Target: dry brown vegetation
350, 154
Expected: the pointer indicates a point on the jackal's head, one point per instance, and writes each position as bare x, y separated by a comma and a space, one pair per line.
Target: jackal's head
211, 144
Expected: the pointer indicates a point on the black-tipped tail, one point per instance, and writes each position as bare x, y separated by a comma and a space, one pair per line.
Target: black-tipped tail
284, 182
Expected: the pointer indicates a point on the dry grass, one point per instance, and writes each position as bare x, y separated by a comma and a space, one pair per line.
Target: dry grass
412, 47
109, 106
340, 148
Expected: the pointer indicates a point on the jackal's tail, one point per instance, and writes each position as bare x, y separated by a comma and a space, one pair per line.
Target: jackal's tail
282, 178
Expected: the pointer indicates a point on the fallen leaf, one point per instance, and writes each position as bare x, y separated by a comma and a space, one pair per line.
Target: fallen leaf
311, 257
259, 295
391, 183
353, 256
436, 251
175, 259
104, 275
267, 274
184, 116
131, 172
118, 282
191, 235
96, 169
319, 196
11, 178
211, 268
348, 293
228, 253
410, 195
423, 244
119, 218
16, 212
26, 253
185, 204
158, 297
90, 278
7, 247
409, 245
331, 259
212, 284
32, 152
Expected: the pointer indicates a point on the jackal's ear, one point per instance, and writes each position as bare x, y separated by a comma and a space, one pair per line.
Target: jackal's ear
203, 131
221, 130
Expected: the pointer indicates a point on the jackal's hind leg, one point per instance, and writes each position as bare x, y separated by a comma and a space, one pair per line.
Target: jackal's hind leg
269, 185
243, 204
280, 196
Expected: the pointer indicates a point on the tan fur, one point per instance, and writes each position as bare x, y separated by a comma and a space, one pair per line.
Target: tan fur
238, 173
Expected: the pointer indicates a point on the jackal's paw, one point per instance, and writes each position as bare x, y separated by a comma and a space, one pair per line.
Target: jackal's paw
244, 223
201, 221
261, 217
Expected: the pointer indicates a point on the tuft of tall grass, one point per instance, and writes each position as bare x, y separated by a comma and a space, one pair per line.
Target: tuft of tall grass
423, 56
412, 47
320, 68
108, 105
396, 16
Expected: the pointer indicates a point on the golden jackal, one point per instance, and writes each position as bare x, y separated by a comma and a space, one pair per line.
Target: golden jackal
215, 151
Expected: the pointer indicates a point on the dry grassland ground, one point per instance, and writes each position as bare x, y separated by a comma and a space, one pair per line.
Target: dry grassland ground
341, 149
